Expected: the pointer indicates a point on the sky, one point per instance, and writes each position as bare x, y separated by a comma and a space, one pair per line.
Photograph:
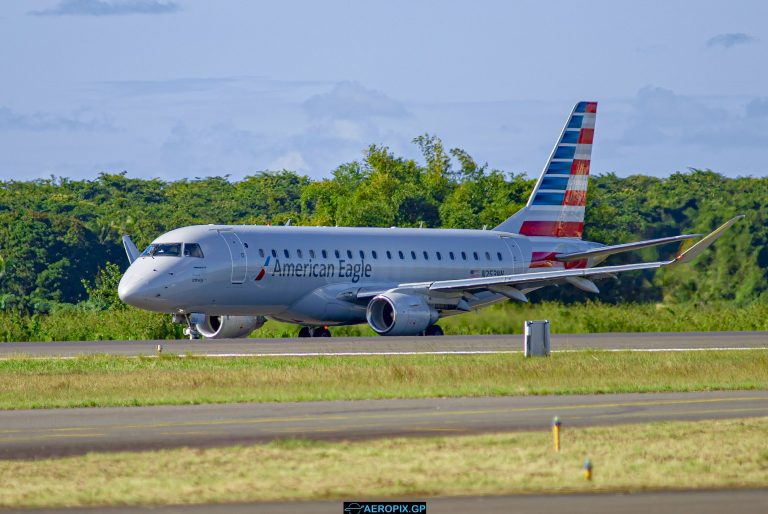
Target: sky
191, 88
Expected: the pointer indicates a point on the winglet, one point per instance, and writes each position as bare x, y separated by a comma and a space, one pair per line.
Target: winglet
130, 249
694, 251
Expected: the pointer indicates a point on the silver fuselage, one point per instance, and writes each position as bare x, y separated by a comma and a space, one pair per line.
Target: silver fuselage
306, 274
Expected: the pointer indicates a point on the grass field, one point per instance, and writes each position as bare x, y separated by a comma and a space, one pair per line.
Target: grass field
705, 454
72, 324
105, 380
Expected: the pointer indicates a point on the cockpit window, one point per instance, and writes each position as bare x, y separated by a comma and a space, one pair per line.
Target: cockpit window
163, 250
193, 250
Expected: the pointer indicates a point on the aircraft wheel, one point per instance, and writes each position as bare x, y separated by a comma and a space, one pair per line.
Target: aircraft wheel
321, 332
433, 330
305, 332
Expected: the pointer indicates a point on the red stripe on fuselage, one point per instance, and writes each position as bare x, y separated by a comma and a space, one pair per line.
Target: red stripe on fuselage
552, 228
547, 260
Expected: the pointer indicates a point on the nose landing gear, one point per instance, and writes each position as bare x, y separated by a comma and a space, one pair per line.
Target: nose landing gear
191, 329
314, 332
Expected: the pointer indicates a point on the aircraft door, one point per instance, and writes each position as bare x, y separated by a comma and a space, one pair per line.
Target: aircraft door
518, 263
237, 254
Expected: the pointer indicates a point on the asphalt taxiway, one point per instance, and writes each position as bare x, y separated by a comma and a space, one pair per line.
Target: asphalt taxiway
649, 341
664, 502
57, 432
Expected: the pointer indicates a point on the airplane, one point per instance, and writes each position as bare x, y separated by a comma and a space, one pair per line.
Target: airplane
225, 281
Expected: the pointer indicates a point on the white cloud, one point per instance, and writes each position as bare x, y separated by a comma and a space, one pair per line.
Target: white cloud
730, 40
350, 100
39, 121
290, 161
108, 8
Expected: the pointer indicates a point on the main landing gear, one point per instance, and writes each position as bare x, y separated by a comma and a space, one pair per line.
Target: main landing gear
433, 330
314, 332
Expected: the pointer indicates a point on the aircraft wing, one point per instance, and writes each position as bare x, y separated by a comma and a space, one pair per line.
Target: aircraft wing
605, 251
509, 285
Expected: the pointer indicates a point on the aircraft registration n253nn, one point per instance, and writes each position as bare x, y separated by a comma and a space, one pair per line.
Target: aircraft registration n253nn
227, 280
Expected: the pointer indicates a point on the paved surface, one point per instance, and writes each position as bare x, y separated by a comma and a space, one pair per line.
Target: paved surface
700, 502
386, 345
57, 432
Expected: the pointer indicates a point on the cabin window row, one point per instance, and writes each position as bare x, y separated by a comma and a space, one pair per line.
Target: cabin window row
398, 255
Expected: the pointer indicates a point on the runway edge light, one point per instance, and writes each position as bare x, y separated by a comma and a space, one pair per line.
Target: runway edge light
556, 433
587, 470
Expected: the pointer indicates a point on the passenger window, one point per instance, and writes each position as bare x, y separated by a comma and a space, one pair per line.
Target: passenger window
349, 254
474, 254
261, 252
389, 254
193, 250
287, 254
450, 254
498, 254
325, 254
413, 255
463, 256
336, 253
362, 254
400, 252
274, 253
298, 252
311, 254
439, 257
426, 255
373, 253
487, 256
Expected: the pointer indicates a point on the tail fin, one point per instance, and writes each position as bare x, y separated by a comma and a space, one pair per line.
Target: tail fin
556, 205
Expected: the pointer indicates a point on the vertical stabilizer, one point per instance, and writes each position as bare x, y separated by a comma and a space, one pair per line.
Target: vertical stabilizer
556, 205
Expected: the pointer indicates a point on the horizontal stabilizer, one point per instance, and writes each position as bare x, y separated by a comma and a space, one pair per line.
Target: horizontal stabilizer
605, 251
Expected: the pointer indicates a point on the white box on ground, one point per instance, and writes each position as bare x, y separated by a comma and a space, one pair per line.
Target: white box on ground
537, 338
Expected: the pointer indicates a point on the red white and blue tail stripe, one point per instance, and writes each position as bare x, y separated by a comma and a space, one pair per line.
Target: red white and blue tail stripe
556, 205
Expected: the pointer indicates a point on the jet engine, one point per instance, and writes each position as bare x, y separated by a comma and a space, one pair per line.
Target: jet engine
224, 327
398, 314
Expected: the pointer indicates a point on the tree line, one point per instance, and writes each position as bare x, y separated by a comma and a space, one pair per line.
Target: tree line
58, 235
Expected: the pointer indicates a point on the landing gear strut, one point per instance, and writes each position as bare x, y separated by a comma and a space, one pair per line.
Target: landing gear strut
433, 330
191, 330
314, 332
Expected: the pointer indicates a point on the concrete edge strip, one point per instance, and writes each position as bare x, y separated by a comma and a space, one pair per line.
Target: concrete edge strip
384, 353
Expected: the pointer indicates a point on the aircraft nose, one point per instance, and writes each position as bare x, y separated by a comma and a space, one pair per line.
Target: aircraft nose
129, 289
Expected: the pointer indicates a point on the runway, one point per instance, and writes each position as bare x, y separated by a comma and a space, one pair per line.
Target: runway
651, 341
668, 502
58, 432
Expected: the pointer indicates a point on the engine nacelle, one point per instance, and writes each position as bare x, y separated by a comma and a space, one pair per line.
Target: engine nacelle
398, 314
225, 327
